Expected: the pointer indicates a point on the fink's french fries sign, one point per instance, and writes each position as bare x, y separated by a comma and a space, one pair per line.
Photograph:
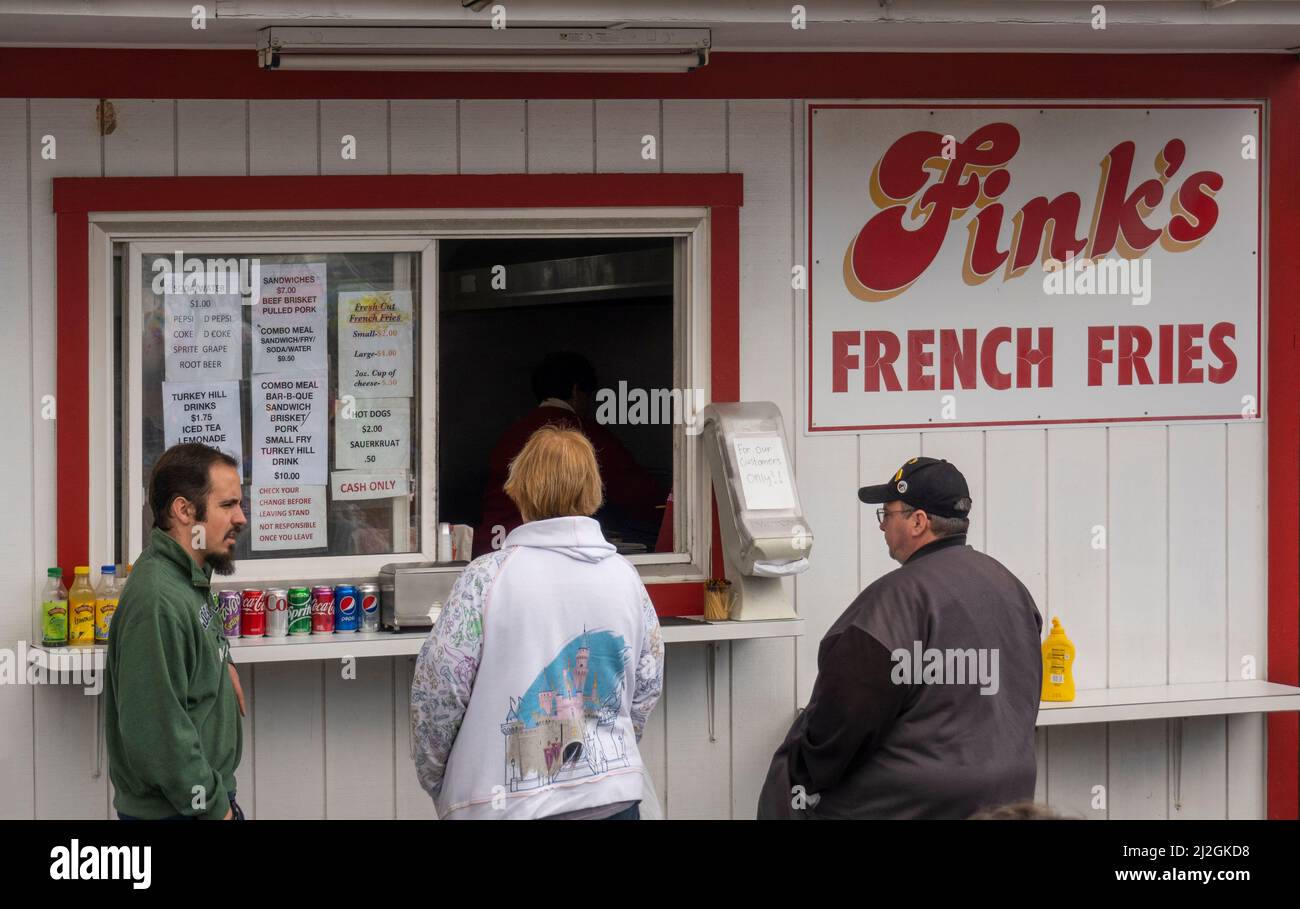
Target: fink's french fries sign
977, 265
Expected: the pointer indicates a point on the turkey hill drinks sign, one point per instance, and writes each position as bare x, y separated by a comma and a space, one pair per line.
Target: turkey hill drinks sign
998, 265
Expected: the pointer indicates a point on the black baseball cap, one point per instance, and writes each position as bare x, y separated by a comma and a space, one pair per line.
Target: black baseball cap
932, 485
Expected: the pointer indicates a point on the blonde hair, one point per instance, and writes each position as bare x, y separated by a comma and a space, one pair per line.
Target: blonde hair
555, 475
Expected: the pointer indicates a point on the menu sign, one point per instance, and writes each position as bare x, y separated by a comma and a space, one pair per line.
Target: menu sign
373, 432
206, 412
375, 337
289, 429
290, 322
204, 337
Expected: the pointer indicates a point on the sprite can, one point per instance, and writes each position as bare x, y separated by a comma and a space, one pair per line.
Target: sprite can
299, 610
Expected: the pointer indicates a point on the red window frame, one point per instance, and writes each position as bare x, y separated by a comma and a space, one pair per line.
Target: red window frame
76, 197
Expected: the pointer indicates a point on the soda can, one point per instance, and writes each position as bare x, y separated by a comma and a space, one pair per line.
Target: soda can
277, 612
231, 610
322, 610
347, 614
299, 611
253, 607
368, 594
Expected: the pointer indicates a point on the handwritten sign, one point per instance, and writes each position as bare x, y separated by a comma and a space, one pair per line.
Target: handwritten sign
346, 485
376, 434
288, 517
206, 412
205, 338
289, 429
764, 472
290, 322
375, 344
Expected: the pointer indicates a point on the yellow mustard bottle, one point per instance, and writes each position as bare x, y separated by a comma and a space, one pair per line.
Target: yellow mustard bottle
1058, 665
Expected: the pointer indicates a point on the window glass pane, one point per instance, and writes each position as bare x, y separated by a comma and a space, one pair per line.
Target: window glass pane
328, 456
599, 312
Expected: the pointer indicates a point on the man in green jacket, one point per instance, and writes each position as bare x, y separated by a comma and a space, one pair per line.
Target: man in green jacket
172, 696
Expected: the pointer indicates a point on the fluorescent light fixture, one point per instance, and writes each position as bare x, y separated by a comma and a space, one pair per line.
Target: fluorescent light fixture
479, 49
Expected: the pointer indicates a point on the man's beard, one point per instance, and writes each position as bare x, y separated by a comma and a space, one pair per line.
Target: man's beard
221, 563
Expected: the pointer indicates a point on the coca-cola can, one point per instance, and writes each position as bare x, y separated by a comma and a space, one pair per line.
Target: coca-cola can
322, 610
368, 594
253, 607
229, 604
277, 612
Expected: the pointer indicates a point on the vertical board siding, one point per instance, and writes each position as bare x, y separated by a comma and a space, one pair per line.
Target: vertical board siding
423, 137
18, 564
1176, 593
492, 137
64, 718
1137, 545
760, 142
561, 137
283, 137
212, 138
357, 128
628, 139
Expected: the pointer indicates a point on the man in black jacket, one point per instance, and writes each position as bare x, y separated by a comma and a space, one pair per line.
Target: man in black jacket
928, 685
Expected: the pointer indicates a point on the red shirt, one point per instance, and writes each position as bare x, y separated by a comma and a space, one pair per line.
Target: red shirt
628, 485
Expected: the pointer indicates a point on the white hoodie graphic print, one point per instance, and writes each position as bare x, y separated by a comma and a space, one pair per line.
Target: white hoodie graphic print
533, 689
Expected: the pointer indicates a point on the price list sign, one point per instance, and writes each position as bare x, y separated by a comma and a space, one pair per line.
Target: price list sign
372, 433
289, 429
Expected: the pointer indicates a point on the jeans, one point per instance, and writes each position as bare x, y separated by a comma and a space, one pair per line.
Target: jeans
237, 813
631, 813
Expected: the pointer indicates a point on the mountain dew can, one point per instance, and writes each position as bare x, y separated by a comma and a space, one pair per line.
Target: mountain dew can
299, 610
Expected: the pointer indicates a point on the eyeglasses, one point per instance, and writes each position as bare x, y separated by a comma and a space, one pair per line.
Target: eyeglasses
883, 513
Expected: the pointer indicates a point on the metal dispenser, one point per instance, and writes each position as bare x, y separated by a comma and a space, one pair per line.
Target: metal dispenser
764, 534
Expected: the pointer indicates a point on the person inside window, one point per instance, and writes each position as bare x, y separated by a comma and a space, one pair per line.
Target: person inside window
564, 384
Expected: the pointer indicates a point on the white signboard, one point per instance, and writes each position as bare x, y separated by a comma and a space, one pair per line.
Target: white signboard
372, 432
290, 445
206, 412
288, 517
375, 344
290, 322
347, 485
764, 472
931, 303
204, 337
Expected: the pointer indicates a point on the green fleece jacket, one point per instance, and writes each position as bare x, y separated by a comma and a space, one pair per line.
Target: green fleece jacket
171, 716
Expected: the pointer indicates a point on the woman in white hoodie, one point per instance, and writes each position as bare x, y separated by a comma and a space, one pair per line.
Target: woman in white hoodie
533, 689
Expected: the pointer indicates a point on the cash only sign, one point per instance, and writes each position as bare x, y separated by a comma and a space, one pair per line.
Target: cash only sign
984, 265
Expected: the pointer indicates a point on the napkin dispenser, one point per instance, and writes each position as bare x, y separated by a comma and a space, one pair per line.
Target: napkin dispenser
411, 594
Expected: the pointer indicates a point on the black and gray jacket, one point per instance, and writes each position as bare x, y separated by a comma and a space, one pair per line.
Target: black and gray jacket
926, 697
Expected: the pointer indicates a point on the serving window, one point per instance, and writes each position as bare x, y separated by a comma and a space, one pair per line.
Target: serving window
364, 384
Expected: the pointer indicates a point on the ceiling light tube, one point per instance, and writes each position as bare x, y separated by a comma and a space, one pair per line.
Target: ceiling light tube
570, 63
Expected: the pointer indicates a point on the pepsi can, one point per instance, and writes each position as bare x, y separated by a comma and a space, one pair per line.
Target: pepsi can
368, 594
347, 612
